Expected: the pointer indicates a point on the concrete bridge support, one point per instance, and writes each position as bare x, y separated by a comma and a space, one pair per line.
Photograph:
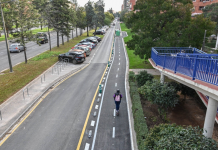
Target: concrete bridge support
210, 117
162, 77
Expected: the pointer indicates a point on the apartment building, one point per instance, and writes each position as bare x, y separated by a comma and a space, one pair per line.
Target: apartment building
200, 4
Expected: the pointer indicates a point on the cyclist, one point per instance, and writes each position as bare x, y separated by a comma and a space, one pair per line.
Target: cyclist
117, 99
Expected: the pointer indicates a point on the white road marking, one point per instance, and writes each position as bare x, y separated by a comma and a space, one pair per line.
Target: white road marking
119, 52
115, 84
96, 106
113, 134
99, 94
102, 85
116, 75
119, 55
114, 112
92, 123
119, 58
87, 146
119, 64
117, 69
97, 122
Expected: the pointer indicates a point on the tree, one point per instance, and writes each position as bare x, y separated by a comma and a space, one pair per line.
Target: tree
122, 14
59, 16
160, 94
81, 22
171, 136
26, 17
211, 11
143, 77
165, 24
109, 16
89, 15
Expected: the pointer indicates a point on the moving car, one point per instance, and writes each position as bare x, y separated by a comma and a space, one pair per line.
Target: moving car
73, 56
42, 37
17, 47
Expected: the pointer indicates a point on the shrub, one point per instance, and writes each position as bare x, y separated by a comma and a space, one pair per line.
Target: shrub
187, 91
140, 125
175, 85
161, 94
171, 136
143, 77
131, 76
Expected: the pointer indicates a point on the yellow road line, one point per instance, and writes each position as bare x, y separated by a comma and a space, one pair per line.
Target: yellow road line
8, 135
90, 108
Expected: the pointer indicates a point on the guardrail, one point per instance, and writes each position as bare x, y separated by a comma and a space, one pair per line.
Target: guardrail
188, 61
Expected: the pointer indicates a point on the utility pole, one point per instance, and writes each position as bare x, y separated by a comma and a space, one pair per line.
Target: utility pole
204, 40
6, 40
216, 46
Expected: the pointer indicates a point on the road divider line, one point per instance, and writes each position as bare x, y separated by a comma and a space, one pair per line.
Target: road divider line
96, 127
90, 108
92, 123
87, 146
113, 134
114, 112
115, 84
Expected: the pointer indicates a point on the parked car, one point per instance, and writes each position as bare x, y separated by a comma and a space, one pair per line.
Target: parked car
89, 40
98, 32
17, 47
85, 49
73, 56
98, 38
93, 45
78, 50
42, 37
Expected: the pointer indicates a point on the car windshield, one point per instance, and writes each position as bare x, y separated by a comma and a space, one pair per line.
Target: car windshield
80, 55
13, 45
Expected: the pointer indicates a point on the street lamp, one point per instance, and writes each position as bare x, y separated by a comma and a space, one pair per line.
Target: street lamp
6, 39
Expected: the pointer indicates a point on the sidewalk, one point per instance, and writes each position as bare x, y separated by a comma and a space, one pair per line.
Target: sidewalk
16, 106
150, 71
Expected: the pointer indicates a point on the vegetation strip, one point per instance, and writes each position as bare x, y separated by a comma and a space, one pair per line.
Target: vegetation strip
23, 73
135, 62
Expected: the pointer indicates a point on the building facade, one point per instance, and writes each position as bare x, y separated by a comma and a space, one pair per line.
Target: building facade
200, 4
128, 4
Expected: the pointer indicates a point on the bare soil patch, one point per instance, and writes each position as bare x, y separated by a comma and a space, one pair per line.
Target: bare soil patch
189, 112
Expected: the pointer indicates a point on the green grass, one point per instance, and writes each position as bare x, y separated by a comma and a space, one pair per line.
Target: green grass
23, 73
2, 38
135, 62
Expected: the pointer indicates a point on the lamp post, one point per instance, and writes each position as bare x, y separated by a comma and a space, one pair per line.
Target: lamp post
6, 40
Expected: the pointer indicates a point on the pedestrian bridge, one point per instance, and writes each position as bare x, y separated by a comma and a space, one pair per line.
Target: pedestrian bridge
194, 68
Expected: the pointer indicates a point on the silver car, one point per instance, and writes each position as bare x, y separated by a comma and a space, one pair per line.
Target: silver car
85, 48
16, 47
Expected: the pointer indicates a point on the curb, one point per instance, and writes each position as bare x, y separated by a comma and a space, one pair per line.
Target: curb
130, 114
48, 87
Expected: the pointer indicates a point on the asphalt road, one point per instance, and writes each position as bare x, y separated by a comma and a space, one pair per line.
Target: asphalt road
33, 49
57, 122
110, 132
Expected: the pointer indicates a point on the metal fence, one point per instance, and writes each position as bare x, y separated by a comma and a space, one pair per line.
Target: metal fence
188, 61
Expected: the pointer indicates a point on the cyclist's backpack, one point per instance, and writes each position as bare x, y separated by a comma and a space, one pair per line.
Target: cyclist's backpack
117, 98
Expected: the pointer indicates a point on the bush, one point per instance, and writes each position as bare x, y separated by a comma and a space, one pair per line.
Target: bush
140, 125
187, 91
161, 94
171, 136
131, 76
143, 77
175, 85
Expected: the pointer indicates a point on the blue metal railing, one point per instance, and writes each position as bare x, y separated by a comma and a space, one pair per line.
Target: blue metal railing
188, 61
